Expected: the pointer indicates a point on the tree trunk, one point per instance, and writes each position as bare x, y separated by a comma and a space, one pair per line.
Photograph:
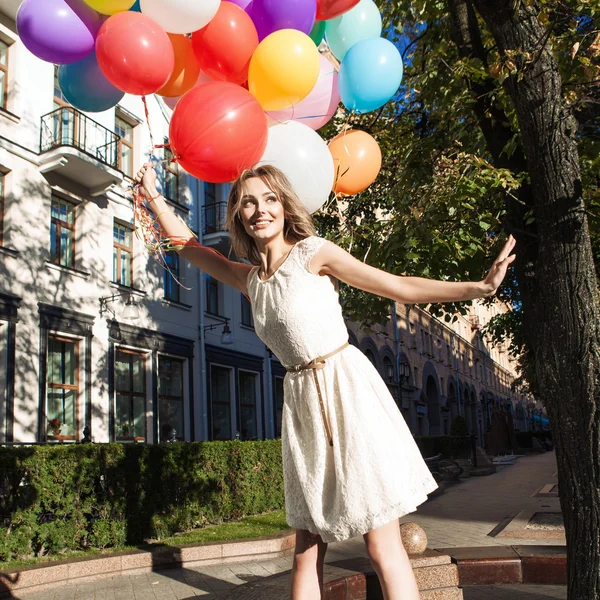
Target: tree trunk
561, 314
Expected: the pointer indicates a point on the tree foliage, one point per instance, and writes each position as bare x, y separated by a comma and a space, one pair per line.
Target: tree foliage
452, 155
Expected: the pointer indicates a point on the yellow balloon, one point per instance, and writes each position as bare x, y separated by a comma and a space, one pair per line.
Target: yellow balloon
283, 69
110, 7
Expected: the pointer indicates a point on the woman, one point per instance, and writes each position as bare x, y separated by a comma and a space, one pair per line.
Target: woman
351, 466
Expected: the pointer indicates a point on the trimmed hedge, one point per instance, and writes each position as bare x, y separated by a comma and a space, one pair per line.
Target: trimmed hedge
446, 445
73, 497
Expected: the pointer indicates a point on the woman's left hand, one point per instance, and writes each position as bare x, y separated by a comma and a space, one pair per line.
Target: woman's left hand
498, 271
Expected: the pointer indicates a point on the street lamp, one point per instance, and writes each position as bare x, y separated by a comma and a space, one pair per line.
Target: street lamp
131, 310
226, 335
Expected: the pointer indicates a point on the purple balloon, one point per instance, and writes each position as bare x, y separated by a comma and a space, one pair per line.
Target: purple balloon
58, 31
272, 15
241, 3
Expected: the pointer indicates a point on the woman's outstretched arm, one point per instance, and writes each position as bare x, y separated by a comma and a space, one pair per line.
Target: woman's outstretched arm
214, 263
333, 260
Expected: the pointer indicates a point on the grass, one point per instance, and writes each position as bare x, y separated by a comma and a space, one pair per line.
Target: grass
249, 527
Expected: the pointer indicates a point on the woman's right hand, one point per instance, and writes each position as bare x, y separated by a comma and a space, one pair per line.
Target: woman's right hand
146, 177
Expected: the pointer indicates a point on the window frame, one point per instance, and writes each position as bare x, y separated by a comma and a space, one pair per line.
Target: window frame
5, 69
171, 279
2, 206
231, 374
171, 169
131, 393
246, 307
239, 404
119, 246
59, 224
123, 142
165, 397
61, 386
212, 283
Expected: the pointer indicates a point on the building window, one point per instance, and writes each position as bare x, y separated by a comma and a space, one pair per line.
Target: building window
278, 399
122, 254
211, 213
170, 399
130, 387
3, 74
220, 396
62, 232
247, 405
388, 368
172, 276
63, 386
247, 318
124, 130
171, 186
369, 354
212, 295
1, 209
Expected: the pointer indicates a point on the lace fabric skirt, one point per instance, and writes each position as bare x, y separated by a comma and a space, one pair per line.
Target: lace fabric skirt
373, 474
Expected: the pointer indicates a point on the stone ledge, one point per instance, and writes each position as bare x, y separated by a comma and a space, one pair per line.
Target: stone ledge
530, 564
40, 577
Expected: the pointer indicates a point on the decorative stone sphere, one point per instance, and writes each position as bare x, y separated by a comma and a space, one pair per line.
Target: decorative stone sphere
413, 538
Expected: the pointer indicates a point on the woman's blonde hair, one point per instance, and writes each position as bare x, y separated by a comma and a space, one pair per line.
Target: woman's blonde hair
298, 222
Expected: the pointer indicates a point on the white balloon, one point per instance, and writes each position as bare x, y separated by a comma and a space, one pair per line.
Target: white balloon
305, 159
180, 16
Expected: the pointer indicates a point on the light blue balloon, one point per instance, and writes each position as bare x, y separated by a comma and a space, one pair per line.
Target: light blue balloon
359, 23
85, 87
370, 75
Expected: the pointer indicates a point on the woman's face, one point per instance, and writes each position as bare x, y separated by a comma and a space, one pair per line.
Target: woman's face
261, 212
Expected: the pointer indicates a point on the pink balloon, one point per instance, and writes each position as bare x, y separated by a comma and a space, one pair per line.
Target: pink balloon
319, 106
172, 102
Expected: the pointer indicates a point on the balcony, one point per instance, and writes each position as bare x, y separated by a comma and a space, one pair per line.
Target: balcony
79, 149
214, 233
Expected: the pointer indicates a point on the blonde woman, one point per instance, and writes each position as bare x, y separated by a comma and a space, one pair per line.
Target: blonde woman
351, 466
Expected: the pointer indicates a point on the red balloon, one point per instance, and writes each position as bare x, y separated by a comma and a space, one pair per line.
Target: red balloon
328, 9
134, 53
217, 130
225, 46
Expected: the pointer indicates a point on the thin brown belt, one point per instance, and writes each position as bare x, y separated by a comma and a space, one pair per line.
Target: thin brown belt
316, 364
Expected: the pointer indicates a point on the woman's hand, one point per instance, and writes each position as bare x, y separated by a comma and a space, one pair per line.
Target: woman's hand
146, 178
498, 271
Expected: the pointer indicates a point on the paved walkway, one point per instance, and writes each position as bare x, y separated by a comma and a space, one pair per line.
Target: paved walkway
463, 516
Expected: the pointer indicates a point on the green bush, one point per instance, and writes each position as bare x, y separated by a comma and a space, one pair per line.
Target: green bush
459, 427
74, 497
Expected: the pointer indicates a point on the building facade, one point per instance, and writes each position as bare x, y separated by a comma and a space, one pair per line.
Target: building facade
100, 341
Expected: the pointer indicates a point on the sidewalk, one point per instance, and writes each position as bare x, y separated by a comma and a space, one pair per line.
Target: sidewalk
463, 516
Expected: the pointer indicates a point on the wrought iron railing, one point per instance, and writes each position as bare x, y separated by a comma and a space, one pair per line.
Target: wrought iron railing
213, 217
66, 126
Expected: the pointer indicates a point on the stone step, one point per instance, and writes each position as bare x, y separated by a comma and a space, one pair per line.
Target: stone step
443, 594
437, 576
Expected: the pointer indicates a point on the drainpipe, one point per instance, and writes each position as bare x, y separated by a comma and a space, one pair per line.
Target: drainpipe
204, 435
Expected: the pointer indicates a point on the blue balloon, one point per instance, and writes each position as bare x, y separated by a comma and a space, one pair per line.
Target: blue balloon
136, 6
85, 87
359, 23
370, 75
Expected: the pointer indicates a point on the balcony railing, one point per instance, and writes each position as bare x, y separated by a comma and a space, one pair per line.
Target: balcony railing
66, 126
213, 217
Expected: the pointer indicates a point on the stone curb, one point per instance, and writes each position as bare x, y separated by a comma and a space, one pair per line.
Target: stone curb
40, 577
493, 565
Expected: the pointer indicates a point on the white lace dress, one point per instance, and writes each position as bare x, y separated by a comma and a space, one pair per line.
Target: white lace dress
374, 472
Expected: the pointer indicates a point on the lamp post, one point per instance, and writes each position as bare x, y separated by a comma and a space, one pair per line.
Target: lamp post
226, 335
131, 310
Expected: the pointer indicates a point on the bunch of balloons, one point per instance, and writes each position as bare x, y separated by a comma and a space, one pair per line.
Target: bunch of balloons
245, 78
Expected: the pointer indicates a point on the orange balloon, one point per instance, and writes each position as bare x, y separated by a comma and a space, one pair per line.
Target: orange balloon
186, 71
357, 161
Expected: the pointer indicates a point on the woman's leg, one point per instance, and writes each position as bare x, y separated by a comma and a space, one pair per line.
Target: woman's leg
391, 563
307, 569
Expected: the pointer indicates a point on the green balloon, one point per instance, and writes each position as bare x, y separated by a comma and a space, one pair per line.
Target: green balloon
317, 32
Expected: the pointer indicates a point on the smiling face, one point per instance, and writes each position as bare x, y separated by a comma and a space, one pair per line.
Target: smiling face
261, 212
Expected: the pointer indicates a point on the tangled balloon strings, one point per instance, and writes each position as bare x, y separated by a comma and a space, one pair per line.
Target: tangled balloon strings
147, 227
